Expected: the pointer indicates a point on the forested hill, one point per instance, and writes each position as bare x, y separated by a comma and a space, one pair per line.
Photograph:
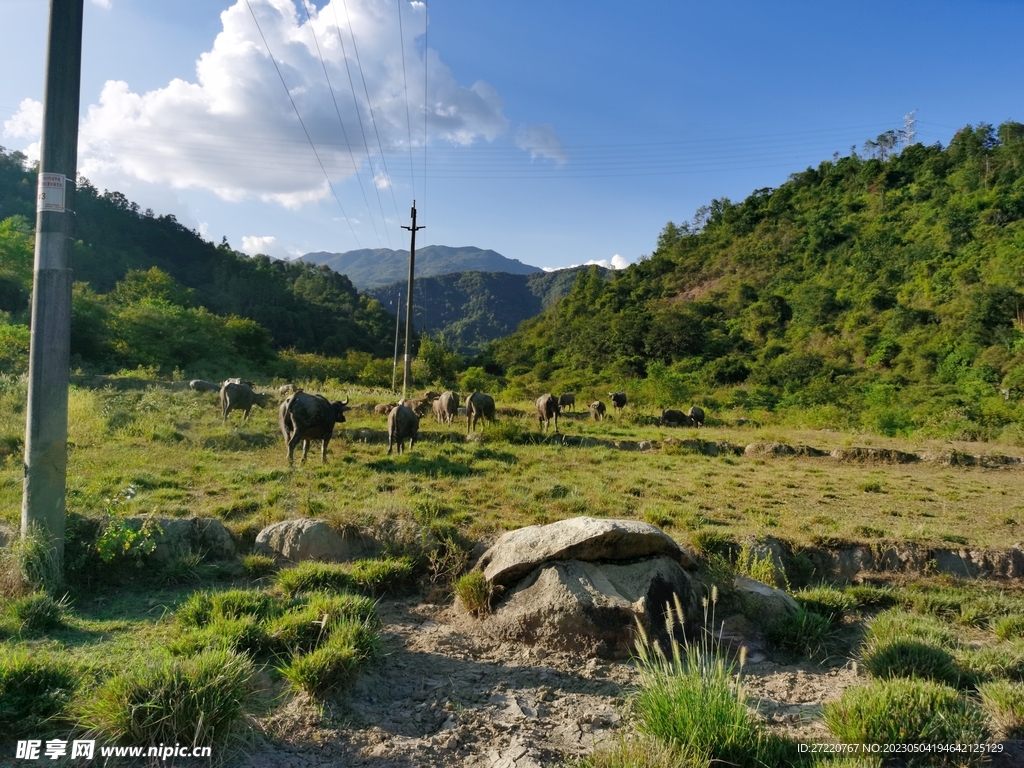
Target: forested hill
882, 289
304, 306
372, 268
470, 309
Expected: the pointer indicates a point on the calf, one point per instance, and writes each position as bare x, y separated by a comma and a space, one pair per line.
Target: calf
597, 410
567, 400
618, 400
696, 414
239, 397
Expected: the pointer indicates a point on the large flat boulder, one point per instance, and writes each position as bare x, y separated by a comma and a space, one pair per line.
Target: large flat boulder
308, 539
177, 535
588, 539
592, 608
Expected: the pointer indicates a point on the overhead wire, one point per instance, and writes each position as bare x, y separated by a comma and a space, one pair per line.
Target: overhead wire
405, 84
426, 107
344, 133
297, 115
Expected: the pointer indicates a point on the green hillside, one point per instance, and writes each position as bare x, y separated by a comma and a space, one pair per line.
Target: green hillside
881, 291
471, 309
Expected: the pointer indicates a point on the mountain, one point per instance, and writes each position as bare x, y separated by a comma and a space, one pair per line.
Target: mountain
470, 309
370, 268
882, 291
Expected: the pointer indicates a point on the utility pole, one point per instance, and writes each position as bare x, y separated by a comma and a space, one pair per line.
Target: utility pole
398, 320
46, 432
408, 307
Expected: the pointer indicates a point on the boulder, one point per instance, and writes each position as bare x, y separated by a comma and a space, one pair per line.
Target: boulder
519, 552
176, 535
308, 539
7, 535
593, 608
767, 603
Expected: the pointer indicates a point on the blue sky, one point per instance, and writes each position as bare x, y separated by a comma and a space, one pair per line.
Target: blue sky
556, 133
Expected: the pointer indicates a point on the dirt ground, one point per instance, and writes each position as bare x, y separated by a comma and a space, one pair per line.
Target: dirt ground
447, 695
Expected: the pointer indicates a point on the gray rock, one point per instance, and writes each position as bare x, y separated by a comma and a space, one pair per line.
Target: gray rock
576, 606
307, 539
519, 552
765, 602
175, 536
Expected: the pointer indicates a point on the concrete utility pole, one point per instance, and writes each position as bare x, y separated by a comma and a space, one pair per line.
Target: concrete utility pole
46, 433
398, 320
408, 307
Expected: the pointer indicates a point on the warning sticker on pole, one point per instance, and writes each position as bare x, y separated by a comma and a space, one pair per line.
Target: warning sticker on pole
51, 192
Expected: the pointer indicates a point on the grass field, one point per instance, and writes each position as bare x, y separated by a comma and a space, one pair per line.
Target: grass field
168, 453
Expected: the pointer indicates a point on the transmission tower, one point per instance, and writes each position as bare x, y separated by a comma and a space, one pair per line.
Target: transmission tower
909, 134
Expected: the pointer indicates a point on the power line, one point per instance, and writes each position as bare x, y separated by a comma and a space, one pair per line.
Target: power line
297, 115
426, 108
369, 107
355, 166
405, 84
359, 116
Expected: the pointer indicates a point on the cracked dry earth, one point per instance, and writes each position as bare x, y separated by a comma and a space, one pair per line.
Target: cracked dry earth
447, 695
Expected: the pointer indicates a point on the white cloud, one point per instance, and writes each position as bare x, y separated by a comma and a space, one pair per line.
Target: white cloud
27, 122
382, 181
233, 130
615, 262
541, 141
102, 4
253, 244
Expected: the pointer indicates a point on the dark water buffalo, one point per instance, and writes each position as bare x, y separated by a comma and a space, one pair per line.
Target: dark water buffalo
249, 384
696, 414
403, 424
672, 418
478, 405
618, 400
420, 406
384, 408
446, 407
567, 400
547, 409
239, 397
198, 385
304, 417
597, 410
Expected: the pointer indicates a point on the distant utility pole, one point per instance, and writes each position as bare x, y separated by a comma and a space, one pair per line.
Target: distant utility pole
46, 433
408, 307
909, 123
398, 320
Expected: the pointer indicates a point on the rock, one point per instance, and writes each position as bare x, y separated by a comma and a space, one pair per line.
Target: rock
769, 449
572, 605
519, 552
767, 603
881, 455
307, 539
7, 535
175, 535
769, 548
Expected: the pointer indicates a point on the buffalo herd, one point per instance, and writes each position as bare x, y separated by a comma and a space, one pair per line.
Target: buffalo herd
304, 417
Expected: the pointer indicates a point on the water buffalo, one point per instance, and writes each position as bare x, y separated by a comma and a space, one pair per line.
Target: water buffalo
547, 409
567, 400
304, 417
239, 397
478, 405
198, 385
446, 407
383, 409
420, 406
286, 389
403, 424
597, 410
673, 418
696, 414
249, 384
618, 400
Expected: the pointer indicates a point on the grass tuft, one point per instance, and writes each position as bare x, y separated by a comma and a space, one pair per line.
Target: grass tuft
34, 690
829, 602
1009, 627
38, 612
334, 663
805, 632
259, 566
475, 592
1004, 702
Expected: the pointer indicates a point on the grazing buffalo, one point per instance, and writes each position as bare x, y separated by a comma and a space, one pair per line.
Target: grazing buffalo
198, 385
672, 418
384, 408
478, 405
249, 384
239, 397
547, 409
304, 417
286, 389
618, 400
597, 410
403, 424
696, 414
420, 406
446, 407
567, 400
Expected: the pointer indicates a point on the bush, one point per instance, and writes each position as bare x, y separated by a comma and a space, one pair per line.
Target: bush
474, 591
335, 663
900, 711
200, 700
33, 691
805, 632
1004, 702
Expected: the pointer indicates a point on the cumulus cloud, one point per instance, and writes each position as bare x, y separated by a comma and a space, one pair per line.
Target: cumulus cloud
615, 262
234, 131
27, 122
105, 4
267, 244
541, 141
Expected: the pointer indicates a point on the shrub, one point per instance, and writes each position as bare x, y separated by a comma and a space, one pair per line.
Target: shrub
474, 591
33, 691
258, 566
805, 632
829, 602
200, 700
336, 662
1004, 702
38, 612
309, 576
901, 711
